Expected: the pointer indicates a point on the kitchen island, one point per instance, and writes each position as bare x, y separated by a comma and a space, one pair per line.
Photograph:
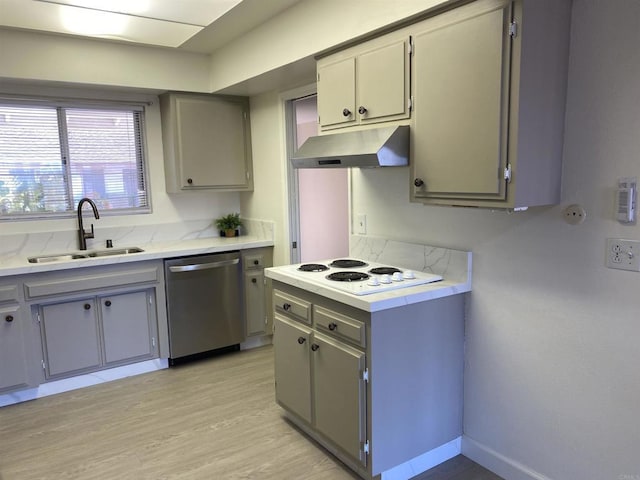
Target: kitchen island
377, 379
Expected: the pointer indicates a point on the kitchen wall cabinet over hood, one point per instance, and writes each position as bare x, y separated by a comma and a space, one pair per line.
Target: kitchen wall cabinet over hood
377, 147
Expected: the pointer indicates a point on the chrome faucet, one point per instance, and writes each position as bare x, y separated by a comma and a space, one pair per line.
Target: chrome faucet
82, 235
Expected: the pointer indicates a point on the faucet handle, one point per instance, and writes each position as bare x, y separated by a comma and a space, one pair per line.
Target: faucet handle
89, 235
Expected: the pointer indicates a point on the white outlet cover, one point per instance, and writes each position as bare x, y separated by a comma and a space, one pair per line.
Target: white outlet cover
623, 254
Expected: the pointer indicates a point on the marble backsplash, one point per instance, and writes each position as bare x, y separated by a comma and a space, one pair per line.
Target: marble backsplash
65, 241
454, 265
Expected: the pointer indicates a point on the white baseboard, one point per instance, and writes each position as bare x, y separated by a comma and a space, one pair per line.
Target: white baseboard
81, 381
424, 462
506, 467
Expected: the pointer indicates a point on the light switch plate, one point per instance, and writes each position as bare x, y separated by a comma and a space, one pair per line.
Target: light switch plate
623, 254
361, 224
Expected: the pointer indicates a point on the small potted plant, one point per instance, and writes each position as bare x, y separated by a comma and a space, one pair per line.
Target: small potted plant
228, 224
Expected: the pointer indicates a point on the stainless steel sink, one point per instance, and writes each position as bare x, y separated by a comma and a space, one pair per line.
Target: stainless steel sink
114, 251
92, 254
56, 258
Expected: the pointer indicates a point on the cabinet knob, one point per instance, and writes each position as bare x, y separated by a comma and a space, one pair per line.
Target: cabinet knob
189, 181
332, 326
87, 306
254, 280
301, 340
346, 112
315, 346
108, 303
286, 307
418, 182
256, 262
362, 110
9, 318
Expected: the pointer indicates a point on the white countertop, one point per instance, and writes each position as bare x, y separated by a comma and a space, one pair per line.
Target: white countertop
18, 264
376, 301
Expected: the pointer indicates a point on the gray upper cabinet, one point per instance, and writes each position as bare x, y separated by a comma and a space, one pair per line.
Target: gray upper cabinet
207, 142
364, 85
489, 85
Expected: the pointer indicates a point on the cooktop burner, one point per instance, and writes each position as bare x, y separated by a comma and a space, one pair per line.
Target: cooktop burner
348, 276
385, 270
313, 267
347, 263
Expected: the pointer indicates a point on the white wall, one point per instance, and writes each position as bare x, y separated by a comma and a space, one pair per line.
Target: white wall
552, 378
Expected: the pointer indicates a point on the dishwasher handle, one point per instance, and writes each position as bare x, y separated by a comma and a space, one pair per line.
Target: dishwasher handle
203, 266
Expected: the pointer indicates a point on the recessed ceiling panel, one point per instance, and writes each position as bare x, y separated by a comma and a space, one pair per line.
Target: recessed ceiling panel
193, 12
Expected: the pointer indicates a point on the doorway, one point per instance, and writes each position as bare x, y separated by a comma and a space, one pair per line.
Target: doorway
318, 197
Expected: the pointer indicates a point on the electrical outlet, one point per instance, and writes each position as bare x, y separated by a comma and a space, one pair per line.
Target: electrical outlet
623, 254
361, 224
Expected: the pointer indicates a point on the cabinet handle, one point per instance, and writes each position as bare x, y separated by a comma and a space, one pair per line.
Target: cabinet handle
108, 303
286, 307
9, 318
418, 182
346, 112
362, 110
301, 340
254, 280
189, 181
87, 306
332, 326
315, 346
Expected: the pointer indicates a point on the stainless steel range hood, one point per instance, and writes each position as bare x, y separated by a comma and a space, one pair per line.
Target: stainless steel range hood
377, 147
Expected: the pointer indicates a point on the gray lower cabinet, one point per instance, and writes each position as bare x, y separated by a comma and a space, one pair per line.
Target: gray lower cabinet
87, 334
70, 336
94, 318
127, 326
377, 389
257, 314
14, 358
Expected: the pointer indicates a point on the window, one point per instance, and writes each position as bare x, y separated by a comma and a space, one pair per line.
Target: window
53, 155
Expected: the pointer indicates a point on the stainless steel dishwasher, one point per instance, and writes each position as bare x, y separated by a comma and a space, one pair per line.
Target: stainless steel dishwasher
204, 304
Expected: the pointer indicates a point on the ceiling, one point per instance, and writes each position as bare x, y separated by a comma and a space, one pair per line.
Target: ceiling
191, 25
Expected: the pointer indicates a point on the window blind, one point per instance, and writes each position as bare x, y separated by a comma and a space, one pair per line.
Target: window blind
52, 156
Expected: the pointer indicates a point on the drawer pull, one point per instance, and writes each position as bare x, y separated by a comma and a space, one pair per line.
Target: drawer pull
346, 112
286, 307
9, 318
256, 262
332, 326
315, 346
301, 340
87, 306
362, 110
108, 303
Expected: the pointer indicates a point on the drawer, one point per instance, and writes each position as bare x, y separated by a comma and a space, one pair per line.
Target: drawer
253, 261
292, 306
339, 325
9, 294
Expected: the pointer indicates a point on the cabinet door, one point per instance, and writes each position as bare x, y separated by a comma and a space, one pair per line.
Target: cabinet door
461, 94
339, 394
126, 326
14, 371
292, 366
212, 143
383, 83
255, 302
70, 333
337, 93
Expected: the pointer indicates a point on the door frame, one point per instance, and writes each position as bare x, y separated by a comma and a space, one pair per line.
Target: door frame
293, 207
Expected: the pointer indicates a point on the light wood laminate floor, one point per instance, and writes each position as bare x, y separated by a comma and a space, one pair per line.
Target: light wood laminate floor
212, 419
